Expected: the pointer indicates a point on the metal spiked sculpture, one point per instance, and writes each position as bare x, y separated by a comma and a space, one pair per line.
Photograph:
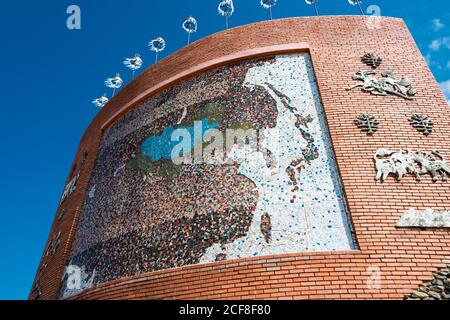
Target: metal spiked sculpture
101, 101
357, 3
190, 26
268, 4
134, 63
226, 9
157, 45
314, 2
114, 83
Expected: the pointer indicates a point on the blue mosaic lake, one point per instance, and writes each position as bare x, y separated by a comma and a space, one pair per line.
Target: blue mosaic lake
160, 147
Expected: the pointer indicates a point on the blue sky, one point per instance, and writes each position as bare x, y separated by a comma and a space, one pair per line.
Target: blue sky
50, 74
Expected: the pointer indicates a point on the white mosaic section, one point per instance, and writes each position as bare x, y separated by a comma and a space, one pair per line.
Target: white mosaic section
317, 220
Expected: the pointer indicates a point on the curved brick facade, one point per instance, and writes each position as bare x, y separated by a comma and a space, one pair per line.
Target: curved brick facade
403, 257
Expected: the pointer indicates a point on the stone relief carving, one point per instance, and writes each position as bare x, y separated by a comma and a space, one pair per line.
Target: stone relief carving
85, 156
371, 60
54, 244
367, 123
429, 164
62, 213
427, 218
401, 162
70, 188
422, 123
37, 288
388, 84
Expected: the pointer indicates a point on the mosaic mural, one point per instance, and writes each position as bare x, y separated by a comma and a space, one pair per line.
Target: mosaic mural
273, 189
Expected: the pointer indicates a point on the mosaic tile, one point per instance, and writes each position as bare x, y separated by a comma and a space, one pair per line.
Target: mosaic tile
277, 192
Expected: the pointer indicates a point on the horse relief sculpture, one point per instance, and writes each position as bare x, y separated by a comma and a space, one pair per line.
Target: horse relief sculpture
388, 84
401, 162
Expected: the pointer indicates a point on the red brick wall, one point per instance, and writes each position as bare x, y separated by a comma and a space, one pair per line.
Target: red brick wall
406, 257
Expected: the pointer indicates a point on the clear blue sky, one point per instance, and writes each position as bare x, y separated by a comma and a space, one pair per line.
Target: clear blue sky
49, 75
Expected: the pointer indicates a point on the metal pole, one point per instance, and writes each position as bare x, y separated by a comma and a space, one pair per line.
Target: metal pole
156, 59
114, 91
270, 11
315, 8
189, 38
132, 77
226, 21
360, 8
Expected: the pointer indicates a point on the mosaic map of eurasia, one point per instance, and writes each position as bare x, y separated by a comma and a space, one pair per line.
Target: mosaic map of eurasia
281, 194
